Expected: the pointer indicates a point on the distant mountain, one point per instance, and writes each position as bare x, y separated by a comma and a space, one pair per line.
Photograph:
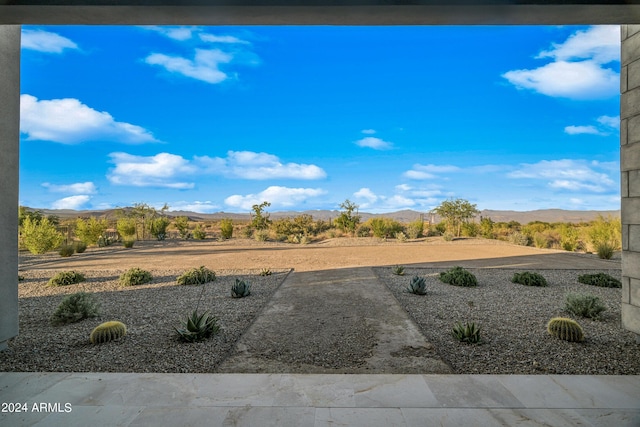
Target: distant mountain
407, 215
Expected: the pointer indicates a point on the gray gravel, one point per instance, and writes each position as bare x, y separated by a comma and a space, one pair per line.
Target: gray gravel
149, 311
513, 318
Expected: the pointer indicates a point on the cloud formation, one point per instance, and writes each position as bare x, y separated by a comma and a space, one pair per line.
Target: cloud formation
162, 170
258, 166
422, 172
204, 66
172, 32
45, 41
196, 206
568, 174
578, 70
405, 197
374, 143
606, 125
77, 188
279, 197
69, 121
71, 202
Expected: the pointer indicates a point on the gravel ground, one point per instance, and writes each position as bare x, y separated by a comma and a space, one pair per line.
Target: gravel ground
513, 320
150, 312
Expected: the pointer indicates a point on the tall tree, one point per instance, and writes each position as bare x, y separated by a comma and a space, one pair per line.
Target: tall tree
456, 212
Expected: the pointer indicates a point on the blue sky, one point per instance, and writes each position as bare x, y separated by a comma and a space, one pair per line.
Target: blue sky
216, 119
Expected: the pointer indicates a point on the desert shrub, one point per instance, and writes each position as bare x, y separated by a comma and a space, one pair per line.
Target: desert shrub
240, 289
261, 235
135, 276
226, 228
401, 237
128, 243
486, 228
458, 276
448, 237
39, 236
197, 327
65, 278
126, 227
197, 276
569, 237
529, 279
66, 250
90, 230
75, 307
398, 270
605, 250
105, 240
384, 227
605, 232
470, 229
540, 240
441, 228
182, 224
518, 238
602, 280
584, 305
79, 247
415, 229
158, 227
363, 230
565, 329
469, 332
417, 286
265, 272
199, 233
246, 232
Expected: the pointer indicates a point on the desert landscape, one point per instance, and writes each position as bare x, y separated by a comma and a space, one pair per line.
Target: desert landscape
512, 317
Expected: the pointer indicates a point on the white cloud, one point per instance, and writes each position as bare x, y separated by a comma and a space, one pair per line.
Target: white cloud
375, 143
252, 165
600, 44
422, 172
211, 38
71, 202
175, 33
44, 41
69, 121
578, 70
367, 194
610, 121
197, 206
369, 131
203, 67
403, 187
77, 188
162, 170
578, 130
567, 174
279, 197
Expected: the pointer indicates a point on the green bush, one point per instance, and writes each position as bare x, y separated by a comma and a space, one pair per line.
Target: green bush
529, 279
458, 276
518, 238
448, 237
469, 332
605, 250
197, 276
75, 307
182, 224
40, 236
602, 280
66, 250
90, 230
127, 228
80, 247
199, 233
363, 230
585, 305
470, 229
128, 243
135, 276
417, 286
384, 227
401, 237
261, 235
65, 278
197, 327
158, 227
415, 229
226, 228
605, 232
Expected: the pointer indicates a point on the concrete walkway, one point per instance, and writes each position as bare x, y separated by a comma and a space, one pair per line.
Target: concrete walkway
334, 321
106, 399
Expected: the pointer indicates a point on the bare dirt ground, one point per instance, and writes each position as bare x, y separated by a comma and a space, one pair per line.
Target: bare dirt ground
150, 310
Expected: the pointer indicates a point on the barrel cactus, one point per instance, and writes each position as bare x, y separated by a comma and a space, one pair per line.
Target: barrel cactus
108, 331
240, 289
417, 286
565, 329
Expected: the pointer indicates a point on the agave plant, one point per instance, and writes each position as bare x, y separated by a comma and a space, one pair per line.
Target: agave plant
198, 327
240, 289
398, 270
469, 332
265, 272
417, 286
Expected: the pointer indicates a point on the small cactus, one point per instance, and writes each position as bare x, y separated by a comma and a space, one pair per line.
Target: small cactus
417, 286
240, 289
108, 331
398, 270
565, 329
265, 272
469, 332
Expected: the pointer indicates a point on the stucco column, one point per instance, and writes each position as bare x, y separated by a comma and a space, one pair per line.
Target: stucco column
630, 175
9, 152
